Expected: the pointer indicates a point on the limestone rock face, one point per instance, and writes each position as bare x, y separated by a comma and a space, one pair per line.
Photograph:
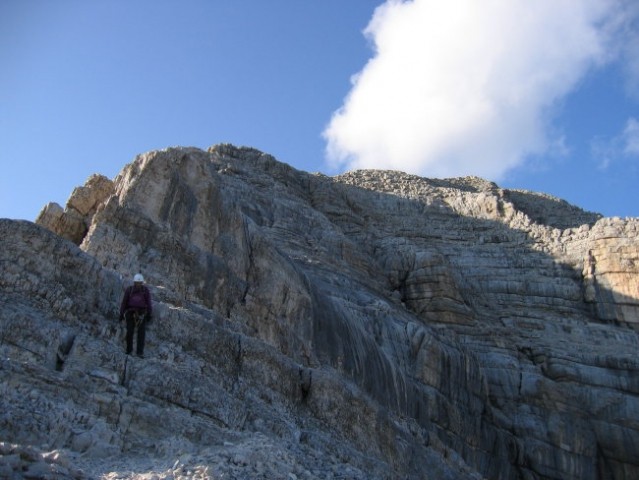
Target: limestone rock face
370, 325
73, 222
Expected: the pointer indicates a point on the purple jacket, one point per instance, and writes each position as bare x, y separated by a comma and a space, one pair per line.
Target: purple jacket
137, 297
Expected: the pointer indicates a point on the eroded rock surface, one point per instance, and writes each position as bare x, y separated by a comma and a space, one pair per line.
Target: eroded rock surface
371, 325
74, 220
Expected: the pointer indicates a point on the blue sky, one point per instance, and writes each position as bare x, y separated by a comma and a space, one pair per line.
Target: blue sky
538, 95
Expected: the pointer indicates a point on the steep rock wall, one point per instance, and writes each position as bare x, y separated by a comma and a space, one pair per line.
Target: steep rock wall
441, 326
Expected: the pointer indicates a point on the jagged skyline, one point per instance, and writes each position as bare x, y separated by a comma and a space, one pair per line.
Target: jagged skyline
549, 102
318, 328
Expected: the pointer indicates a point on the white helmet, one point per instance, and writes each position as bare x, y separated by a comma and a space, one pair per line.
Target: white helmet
138, 278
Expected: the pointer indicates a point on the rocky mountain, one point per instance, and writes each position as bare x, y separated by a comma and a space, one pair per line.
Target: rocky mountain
372, 325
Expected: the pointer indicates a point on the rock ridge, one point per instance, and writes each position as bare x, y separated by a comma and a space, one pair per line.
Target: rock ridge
374, 324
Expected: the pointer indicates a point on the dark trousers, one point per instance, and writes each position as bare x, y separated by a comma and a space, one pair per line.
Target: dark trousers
135, 319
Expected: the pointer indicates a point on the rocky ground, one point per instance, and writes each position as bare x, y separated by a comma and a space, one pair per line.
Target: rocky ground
255, 458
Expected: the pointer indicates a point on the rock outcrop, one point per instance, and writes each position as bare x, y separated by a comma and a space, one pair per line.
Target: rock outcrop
371, 325
74, 220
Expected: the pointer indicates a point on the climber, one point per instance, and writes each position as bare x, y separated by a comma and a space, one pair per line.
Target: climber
136, 308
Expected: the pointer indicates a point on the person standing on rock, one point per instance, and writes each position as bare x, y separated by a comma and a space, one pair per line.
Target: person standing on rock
136, 309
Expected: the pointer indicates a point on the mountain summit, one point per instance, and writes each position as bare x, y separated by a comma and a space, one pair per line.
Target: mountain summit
372, 325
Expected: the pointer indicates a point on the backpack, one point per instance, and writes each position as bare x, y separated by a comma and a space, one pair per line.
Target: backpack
137, 297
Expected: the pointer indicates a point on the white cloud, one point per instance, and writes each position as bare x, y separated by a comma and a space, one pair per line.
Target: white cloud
630, 138
627, 23
623, 146
632, 64
459, 87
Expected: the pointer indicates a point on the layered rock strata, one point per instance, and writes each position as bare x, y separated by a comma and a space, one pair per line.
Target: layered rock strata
375, 322
74, 220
